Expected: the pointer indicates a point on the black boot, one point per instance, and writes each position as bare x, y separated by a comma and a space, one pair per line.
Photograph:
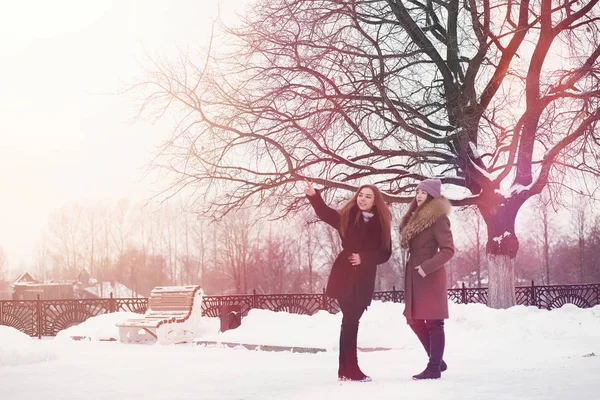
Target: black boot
420, 329
430, 372
437, 343
348, 363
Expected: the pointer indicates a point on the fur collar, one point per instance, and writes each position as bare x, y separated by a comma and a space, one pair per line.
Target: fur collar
424, 219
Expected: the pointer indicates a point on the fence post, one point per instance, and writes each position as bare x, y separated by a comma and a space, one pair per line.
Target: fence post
324, 301
394, 294
111, 304
463, 294
533, 302
38, 309
254, 299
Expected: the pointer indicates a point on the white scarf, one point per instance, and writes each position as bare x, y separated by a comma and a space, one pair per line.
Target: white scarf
367, 215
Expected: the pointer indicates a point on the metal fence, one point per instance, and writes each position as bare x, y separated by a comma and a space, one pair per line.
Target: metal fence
48, 317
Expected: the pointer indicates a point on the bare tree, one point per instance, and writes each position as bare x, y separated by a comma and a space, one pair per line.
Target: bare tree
121, 232
593, 254
190, 264
200, 236
565, 253
527, 262
167, 227
238, 243
309, 248
66, 240
579, 221
274, 262
473, 228
496, 97
104, 268
92, 234
3, 265
542, 214
42, 259
91, 238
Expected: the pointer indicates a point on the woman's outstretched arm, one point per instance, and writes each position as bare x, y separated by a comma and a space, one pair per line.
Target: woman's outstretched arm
323, 211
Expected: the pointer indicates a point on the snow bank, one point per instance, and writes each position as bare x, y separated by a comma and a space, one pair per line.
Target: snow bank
101, 327
384, 326
17, 348
283, 329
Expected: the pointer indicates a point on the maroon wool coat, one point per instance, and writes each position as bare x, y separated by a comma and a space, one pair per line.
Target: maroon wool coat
346, 281
428, 238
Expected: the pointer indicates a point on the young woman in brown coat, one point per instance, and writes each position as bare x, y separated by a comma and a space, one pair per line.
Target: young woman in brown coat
425, 232
364, 225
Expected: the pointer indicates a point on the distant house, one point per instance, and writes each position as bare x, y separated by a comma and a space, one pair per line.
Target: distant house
26, 287
89, 287
25, 277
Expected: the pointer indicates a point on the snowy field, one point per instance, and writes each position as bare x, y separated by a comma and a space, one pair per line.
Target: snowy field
519, 353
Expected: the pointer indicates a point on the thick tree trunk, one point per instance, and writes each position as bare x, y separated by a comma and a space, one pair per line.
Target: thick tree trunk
547, 253
478, 254
501, 287
501, 250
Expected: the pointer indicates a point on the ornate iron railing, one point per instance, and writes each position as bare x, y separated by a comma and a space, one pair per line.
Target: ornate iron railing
47, 317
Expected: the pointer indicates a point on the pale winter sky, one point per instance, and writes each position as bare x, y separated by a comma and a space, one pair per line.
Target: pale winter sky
63, 138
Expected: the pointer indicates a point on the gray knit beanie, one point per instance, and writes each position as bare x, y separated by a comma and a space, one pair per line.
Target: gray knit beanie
432, 186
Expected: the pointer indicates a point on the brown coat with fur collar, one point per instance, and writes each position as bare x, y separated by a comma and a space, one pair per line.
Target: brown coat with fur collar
428, 237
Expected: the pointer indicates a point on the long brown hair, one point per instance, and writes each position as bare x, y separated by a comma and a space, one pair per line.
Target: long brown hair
413, 208
383, 214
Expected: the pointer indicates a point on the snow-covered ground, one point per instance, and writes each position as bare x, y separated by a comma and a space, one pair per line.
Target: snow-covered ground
519, 353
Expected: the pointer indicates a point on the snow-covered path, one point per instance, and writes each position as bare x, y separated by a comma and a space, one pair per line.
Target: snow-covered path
521, 353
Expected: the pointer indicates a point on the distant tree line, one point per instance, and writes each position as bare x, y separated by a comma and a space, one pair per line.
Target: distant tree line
143, 247
551, 252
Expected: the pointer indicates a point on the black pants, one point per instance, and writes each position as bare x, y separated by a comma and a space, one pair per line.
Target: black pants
431, 335
348, 359
351, 312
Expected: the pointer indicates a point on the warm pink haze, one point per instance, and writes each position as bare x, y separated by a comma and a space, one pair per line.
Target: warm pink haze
63, 137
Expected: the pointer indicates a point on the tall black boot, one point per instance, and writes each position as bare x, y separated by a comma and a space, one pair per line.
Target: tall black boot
437, 341
343, 350
348, 355
420, 329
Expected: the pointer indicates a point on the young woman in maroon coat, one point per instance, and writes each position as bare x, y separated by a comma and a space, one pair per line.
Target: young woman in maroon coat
364, 225
425, 233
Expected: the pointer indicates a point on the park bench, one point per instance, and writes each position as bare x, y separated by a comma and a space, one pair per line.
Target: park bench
173, 316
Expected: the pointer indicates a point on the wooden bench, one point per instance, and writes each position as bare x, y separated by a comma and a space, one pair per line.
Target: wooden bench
173, 316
